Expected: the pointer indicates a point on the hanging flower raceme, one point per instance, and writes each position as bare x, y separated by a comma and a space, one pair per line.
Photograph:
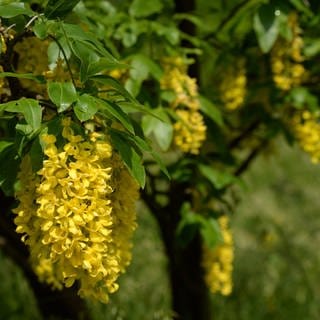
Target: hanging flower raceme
190, 129
306, 127
77, 214
286, 59
32, 58
233, 86
5, 36
4, 89
218, 262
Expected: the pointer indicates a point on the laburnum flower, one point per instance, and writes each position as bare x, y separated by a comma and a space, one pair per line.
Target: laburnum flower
59, 73
218, 261
286, 58
189, 129
306, 128
4, 88
77, 214
32, 58
233, 85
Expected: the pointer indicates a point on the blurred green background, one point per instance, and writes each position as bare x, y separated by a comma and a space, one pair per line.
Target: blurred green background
277, 265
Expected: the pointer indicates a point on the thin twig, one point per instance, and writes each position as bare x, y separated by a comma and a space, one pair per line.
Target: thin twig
65, 58
246, 163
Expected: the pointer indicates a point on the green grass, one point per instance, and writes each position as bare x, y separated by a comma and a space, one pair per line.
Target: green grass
277, 265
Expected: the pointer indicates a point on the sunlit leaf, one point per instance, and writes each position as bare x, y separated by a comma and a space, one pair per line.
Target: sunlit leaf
62, 94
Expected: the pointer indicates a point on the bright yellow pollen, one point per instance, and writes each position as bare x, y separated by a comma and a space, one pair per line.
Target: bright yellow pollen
77, 214
218, 262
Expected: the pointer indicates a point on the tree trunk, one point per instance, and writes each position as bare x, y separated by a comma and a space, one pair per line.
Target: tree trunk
189, 292
190, 297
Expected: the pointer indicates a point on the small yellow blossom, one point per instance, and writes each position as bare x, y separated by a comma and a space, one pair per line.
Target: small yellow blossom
233, 86
77, 214
306, 127
218, 262
59, 73
190, 129
286, 59
32, 58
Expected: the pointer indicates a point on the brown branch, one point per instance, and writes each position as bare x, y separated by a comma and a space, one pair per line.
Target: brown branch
252, 155
243, 135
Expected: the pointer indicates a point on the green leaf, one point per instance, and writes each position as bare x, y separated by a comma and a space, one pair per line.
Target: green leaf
196, 20
311, 48
141, 8
136, 107
208, 108
266, 26
116, 85
301, 6
62, 94
4, 144
9, 166
189, 224
104, 64
163, 131
131, 158
86, 55
145, 147
300, 98
219, 179
59, 8
38, 79
210, 232
24, 129
142, 66
75, 33
114, 110
85, 107
40, 29
30, 109
169, 32
14, 9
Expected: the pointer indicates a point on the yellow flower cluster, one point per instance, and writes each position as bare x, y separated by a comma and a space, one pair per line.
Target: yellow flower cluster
59, 73
306, 128
4, 88
286, 59
32, 58
190, 129
77, 214
3, 85
233, 85
218, 262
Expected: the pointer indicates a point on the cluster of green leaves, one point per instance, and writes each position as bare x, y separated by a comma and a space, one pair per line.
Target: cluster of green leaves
81, 100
